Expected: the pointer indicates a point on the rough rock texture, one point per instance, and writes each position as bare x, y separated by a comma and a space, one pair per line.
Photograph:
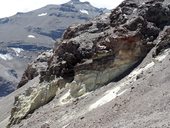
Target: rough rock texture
25, 35
163, 41
93, 54
112, 46
32, 98
34, 69
142, 102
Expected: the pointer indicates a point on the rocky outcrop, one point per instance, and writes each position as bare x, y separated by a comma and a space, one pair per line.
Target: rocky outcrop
32, 98
112, 47
32, 33
163, 41
34, 69
93, 54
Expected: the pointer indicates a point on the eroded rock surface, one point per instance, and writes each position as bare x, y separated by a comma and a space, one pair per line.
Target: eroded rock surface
33, 98
163, 41
93, 54
34, 32
36, 67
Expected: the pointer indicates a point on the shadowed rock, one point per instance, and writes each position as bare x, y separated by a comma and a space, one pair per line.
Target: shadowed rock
163, 41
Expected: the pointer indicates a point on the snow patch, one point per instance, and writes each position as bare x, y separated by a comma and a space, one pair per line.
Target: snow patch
84, 11
161, 57
6, 56
17, 50
118, 90
138, 71
109, 96
148, 66
42, 14
31, 36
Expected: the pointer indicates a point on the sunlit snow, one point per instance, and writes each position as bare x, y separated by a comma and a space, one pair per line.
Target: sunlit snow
161, 57
6, 56
42, 14
84, 11
110, 95
17, 50
118, 90
31, 36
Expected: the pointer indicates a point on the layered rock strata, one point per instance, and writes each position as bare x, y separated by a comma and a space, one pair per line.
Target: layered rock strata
93, 54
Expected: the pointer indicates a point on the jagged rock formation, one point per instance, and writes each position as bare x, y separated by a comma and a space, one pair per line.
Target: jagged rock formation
36, 97
25, 35
163, 41
93, 54
34, 69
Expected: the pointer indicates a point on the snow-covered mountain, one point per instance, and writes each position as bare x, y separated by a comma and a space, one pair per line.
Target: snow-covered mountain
25, 35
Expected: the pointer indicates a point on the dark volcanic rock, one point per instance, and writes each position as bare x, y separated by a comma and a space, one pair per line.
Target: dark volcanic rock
25, 35
163, 41
128, 34
34, 69
92, 55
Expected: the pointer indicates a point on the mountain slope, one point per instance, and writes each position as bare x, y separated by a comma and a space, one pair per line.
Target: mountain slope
144, 103
112, 71
25, 35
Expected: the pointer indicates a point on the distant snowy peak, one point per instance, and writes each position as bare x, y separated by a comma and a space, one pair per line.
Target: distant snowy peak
42, 14
84, 11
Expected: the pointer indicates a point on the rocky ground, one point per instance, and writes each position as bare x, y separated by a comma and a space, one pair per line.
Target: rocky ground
142, 101
118, 77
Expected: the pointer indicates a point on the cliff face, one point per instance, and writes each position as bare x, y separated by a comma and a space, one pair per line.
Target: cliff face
25, 35
93, 54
